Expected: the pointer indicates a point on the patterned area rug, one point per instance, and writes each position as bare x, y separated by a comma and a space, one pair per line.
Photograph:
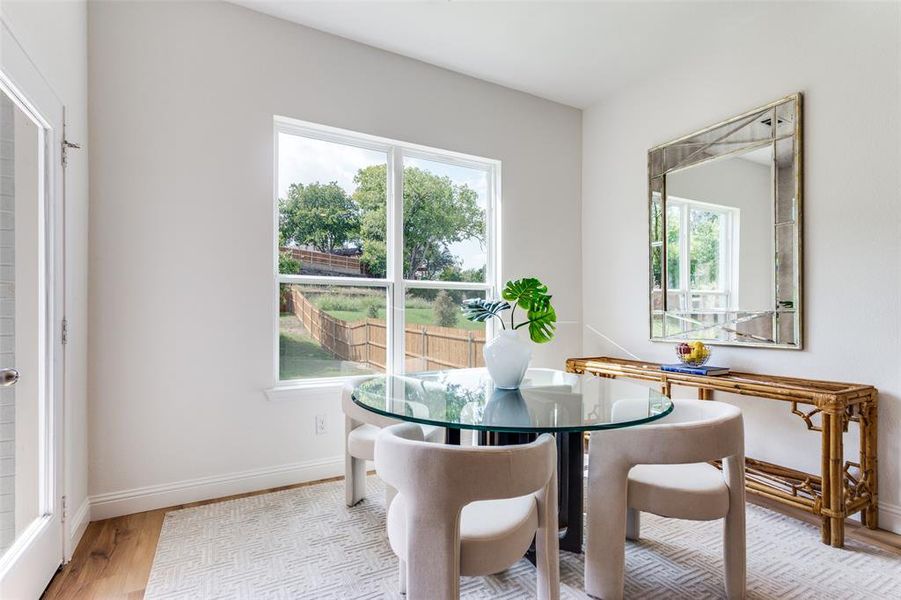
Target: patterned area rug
304, 543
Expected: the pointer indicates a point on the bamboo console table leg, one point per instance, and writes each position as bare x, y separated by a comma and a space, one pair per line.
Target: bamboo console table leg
826, 522
833, 509
869, 424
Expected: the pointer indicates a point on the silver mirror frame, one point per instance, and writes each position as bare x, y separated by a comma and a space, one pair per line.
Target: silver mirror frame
786, 316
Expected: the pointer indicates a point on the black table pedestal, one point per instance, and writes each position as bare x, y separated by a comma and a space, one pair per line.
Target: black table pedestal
570, 472
570, 467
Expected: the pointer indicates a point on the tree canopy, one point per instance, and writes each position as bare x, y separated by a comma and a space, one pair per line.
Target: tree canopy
321, 215
437, 213
705, 250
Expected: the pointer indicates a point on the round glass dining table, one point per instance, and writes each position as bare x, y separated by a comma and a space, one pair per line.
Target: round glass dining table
547, 401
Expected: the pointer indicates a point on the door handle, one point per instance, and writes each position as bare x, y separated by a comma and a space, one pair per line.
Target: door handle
8, 377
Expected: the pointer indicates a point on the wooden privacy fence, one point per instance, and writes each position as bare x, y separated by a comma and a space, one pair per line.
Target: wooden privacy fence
427, 347
334, 262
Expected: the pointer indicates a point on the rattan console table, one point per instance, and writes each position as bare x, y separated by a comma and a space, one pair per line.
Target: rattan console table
844, 488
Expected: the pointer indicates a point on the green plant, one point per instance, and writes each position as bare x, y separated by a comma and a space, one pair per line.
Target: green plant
530, 295
445, 310
373, 311
287, 264
418, 301
437, 213
319, 214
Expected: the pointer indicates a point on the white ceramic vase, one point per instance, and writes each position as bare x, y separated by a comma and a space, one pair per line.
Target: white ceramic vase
507, 358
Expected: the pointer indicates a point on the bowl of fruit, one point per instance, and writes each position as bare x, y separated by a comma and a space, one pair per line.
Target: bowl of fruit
693, 354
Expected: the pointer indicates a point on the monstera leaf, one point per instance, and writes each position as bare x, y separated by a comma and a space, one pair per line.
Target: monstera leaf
542, 323
528, 293
480, 309
532, 295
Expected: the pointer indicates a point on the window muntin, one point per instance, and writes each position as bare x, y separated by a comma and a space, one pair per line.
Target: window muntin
346, 204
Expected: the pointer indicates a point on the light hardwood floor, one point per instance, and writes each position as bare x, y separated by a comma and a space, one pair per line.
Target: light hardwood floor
114, 557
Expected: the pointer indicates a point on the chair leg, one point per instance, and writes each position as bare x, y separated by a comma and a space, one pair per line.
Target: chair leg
633, 524
547, 543
354, 479
402, 576
605, 556
734, 554
433, 555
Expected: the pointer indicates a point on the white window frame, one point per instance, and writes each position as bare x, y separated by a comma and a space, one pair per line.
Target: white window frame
395, 151
728, 267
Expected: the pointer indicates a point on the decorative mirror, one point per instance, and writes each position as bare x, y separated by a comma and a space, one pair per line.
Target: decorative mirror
725, 231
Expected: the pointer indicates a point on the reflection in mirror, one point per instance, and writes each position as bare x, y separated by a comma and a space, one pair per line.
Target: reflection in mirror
727, 202
724, 232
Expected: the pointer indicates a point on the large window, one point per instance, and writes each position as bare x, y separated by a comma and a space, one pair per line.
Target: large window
378, 243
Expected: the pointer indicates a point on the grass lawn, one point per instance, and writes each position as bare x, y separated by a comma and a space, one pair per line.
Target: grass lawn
301, 356
353, 306
415, 316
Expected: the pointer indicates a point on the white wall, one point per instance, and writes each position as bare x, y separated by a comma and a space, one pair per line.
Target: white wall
182, 100
54, 35
845, 58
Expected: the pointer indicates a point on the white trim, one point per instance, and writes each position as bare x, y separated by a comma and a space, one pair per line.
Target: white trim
333, 280
300, 388
374, 142
433, 284
76, 527
114, 504
396, 352
277, 288
151, 497
890, 517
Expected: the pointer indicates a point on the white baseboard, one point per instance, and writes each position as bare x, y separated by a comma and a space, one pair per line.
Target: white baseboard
125, 502
890, 517
76, 526
114, 504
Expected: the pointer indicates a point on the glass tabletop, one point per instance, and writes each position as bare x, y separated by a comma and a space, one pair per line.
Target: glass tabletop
547, 401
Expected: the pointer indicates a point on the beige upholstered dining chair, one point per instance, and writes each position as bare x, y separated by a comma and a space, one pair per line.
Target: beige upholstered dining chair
360, 430
468, 511
663, 468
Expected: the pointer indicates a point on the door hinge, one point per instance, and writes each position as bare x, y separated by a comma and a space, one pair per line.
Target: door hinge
65, 150
64, 336
63, 512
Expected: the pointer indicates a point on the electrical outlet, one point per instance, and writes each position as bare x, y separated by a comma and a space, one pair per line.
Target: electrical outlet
321, 425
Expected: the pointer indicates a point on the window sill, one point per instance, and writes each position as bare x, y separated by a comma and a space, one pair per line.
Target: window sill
297, 390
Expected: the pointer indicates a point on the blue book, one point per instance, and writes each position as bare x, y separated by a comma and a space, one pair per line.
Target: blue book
688, 370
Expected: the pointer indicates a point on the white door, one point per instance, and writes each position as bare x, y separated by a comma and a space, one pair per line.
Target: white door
31, 506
